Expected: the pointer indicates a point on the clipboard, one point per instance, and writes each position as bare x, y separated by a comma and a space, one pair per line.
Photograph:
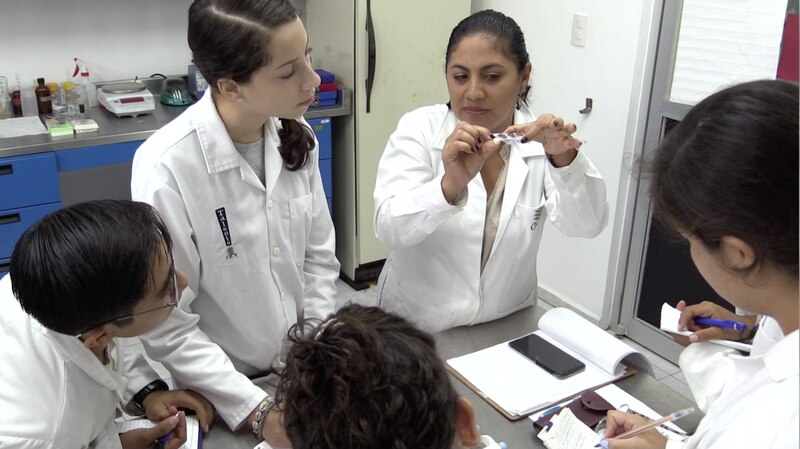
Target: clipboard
629, 371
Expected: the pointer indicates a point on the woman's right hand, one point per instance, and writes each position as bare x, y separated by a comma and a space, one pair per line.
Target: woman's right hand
711, 310
465, 150
618, 423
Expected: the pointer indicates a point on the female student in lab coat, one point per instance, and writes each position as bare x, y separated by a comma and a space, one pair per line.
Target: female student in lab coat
81, 281
237, 181
462, 214
726, 179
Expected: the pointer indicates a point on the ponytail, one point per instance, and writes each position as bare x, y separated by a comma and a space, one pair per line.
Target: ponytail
296, 143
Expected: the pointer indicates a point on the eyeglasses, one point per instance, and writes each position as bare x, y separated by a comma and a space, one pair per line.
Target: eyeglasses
124, 319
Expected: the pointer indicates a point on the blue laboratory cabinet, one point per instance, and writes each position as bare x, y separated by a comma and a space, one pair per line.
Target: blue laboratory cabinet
322, 128
34, 185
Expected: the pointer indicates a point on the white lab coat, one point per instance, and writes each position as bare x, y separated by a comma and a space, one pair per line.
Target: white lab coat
54, 392
432, 275
252, 273
750, 401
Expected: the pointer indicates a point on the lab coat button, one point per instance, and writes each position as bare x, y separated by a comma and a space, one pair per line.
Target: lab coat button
276, 251
269, 204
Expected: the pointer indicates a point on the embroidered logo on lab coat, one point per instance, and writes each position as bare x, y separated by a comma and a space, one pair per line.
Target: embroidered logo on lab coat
537, 217
222, 219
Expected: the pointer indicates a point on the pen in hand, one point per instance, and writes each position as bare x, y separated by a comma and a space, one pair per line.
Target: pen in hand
671, 417
161, 442
725, 324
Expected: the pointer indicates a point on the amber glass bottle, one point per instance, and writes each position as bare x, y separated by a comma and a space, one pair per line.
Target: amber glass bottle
43, 98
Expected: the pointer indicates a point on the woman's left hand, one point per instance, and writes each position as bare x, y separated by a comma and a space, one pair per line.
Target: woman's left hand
553, 134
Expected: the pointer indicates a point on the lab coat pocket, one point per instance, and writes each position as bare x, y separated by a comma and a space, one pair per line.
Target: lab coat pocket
300, 226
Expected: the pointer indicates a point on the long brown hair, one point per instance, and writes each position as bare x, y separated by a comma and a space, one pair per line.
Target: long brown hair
228, 39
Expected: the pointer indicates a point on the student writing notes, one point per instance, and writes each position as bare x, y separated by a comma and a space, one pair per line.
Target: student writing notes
80, 281
726, 179
462, 214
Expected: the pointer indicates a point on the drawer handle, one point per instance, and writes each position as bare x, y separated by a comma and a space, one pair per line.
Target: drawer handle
8, 219
6, 169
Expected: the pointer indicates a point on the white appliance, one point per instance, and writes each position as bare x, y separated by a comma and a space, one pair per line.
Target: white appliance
126, 99
408, 67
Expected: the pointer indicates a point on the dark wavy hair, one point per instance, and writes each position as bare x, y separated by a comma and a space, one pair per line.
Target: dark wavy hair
366, 379
229, 39
731, 168
88, 263
508, 35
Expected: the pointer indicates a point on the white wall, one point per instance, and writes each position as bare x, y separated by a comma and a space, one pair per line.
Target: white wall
118, 39
609, 71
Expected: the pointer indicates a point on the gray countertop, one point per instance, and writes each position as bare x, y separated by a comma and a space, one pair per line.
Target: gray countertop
113, 129
517, 434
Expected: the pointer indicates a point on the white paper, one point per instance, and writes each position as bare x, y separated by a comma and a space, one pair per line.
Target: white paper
568, 432
669, 322
725, 42
193, 432
520, 387
21, 126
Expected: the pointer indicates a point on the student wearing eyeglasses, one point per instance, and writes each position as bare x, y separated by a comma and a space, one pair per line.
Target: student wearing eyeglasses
80, 281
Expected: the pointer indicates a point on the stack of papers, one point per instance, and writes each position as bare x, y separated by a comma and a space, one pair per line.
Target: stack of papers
21, 126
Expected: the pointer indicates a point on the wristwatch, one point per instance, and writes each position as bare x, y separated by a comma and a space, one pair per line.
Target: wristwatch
156, 385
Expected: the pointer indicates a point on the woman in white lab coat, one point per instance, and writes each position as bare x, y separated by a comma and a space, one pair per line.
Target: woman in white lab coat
236, 179
463, 246
726, 179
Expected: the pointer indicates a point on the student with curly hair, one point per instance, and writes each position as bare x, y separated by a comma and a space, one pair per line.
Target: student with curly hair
366, 379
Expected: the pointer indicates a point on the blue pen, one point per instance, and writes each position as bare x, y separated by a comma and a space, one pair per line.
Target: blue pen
725, 324
161, 442
549, 411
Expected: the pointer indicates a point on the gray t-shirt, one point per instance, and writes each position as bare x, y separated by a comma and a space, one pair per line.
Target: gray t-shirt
253, 153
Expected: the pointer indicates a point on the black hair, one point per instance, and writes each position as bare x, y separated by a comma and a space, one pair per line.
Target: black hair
228, 39
366, 379
88, 263
730, 167
503, 29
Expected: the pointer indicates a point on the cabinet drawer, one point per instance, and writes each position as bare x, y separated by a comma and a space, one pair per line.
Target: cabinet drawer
322, 129
15, 221
28, 180
326, 171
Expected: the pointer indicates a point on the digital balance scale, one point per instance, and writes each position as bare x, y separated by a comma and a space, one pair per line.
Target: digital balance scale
126, 99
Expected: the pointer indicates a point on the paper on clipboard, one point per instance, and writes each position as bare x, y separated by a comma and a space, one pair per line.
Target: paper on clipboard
517, 387
724, 42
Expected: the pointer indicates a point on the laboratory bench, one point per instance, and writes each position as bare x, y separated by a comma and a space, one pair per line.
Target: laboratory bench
517, 434
41, 173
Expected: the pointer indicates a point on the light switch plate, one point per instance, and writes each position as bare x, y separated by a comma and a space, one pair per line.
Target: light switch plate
580, 23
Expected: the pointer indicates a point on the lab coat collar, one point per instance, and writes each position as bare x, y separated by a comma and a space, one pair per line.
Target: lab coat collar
215, 142
781, 360
71, 348
220, 153
447, 126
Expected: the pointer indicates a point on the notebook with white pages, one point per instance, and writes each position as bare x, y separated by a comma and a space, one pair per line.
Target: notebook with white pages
669, 323
517, 387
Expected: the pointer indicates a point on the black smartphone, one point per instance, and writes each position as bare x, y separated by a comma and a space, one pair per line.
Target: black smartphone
549, 357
